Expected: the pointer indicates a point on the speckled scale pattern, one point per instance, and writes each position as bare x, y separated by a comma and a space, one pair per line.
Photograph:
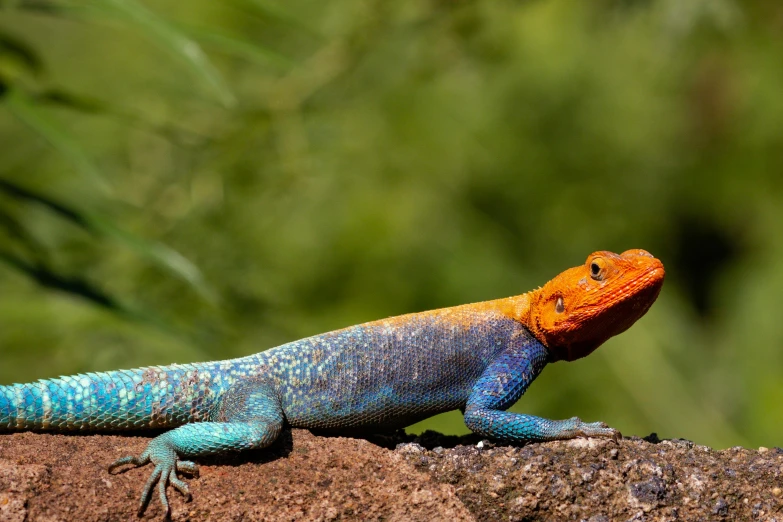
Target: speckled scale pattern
384, 374
153, 397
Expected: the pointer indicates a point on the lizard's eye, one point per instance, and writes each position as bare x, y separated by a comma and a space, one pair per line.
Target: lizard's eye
559, 308
597, 269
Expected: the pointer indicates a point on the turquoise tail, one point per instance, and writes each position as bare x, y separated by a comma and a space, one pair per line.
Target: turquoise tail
155, 397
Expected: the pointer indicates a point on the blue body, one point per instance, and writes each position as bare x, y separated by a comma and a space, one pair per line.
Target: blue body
378, 375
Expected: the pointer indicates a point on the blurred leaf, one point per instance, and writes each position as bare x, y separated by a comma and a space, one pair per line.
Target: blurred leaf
176, 42
63, 9
76, 286
72, 285
273, 11
25, 109
175, 37
17, 56
159, 30
173, 131
235, 46
16, 230
69, 100
162, 255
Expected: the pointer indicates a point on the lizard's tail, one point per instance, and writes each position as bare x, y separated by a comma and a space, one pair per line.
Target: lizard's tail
119, 400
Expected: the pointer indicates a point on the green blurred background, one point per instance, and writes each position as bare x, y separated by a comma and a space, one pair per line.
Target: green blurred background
184, 181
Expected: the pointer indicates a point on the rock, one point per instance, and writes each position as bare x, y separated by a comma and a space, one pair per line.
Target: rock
308, 477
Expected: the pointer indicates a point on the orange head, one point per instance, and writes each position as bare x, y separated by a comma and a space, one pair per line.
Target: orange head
574, 313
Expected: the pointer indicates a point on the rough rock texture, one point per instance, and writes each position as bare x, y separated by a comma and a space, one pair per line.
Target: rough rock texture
308, 477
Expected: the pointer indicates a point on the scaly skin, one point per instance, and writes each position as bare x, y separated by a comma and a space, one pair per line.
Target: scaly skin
479, 358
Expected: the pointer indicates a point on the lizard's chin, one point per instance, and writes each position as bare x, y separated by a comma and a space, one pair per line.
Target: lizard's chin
574, 351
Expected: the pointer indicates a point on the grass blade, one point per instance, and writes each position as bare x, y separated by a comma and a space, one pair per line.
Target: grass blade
72, 101
171, 38
71, 285
78, 287
274, 12
18, 234
237, 47
17, 54
21, 106
162, 255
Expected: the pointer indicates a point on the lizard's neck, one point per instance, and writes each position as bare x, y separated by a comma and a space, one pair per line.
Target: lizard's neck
517, 307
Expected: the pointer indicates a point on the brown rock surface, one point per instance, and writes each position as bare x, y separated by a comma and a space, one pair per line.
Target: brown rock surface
307, 477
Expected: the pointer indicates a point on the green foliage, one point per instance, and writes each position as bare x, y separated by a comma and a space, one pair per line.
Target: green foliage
200, 180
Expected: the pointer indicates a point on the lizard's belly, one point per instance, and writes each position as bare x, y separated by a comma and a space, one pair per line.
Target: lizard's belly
387, 406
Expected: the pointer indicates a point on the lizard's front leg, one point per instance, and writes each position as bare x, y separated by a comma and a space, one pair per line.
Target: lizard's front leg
249, 417
503, 382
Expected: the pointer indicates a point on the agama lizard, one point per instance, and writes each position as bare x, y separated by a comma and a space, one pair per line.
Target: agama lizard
479, 358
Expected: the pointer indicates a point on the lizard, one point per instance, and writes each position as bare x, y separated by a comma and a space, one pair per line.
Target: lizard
478, 358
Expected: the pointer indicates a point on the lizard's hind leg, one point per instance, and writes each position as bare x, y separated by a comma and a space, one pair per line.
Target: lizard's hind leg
248, 417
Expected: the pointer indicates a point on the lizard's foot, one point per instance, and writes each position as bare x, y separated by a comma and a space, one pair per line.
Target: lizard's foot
167, 464
595, 429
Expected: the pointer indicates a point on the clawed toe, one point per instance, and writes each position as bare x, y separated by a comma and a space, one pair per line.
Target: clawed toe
599, 429
188, 467
133, 461
180, 486
146, 493
163, 475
